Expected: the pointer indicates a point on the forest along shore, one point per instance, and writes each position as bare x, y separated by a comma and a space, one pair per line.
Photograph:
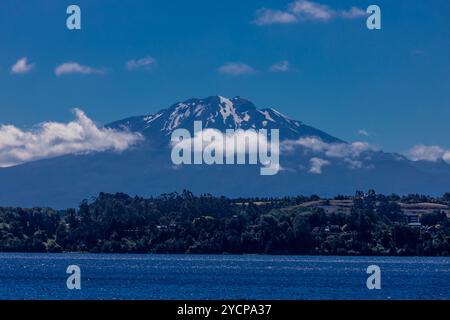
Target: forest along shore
363, 224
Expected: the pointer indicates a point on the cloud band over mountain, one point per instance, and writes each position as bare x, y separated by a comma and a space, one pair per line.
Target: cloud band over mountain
429, 153
52, 139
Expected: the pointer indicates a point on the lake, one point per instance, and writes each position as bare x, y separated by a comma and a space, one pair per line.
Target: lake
114, 276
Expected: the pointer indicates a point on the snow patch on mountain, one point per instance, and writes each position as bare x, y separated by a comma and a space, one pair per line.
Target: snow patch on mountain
267, 115
227, 109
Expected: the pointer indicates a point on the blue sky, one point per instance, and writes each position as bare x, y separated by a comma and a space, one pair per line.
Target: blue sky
340, 77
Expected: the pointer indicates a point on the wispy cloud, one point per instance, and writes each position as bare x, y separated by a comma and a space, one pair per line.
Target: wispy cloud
304, 10
429, 153
281, 66
308, 10
317, 164
146, 63
334, 150
22, 66
363, 132
52, 139
75, 67
352, 154
236, 69
352, 13
267, 16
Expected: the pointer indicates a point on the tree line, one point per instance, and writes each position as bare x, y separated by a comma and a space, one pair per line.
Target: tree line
186, 223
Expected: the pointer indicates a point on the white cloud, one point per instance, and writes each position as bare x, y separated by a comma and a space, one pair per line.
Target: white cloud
317, 164
75, 67
22, 66
429, 153
354, 164
446, 156
334, 150
282, 66
353, 13
309, 10
52, 139
217, 147
236, 69
146, 63
227, 142
343, 150
267, 16
312, 143
363, 132
304, 10
350, 153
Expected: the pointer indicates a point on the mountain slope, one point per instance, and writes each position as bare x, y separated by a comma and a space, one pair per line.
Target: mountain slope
219, 113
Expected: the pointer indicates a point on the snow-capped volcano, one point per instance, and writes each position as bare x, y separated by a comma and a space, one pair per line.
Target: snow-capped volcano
220, 113
311, 162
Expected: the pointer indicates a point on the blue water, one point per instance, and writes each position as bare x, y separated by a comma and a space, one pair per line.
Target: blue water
43, 276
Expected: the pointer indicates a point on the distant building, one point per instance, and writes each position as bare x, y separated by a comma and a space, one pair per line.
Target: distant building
316, 230
333, 228
413, 220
